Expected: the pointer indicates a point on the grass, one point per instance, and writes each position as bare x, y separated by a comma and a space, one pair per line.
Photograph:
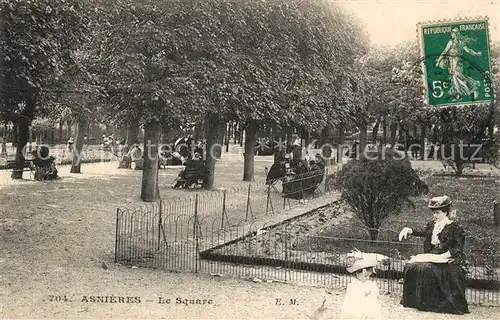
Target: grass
472, 196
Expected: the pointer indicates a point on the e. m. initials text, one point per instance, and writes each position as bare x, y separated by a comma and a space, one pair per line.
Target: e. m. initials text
291, 302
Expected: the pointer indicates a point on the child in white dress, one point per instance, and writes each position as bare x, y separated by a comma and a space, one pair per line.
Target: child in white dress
361, 299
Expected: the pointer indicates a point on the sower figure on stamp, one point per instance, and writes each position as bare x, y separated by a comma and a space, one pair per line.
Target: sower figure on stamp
451, 58
435, 281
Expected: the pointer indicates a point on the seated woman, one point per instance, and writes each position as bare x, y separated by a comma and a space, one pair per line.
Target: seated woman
124, 159
45, 167
276, 172
300, 167
136, 160
437, 286
318, 163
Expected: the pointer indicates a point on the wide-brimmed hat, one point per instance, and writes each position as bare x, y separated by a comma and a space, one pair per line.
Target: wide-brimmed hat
439, 202
362, 264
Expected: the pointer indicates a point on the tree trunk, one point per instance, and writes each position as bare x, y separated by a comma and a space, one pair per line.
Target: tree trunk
132, 132
222, 133
373, 233
60, 129
228, 135
402, 137
221, 130
340, 143
150, 191
384, 129
212, 123
81, 127
53, 136
414, 132
23, 129
235, 132
198, 130
326, 141
3, 151
240, 135
249, 155
306, 137
491, 128
30, 139
394, 130
69, 123
423, 155
375, 131
363, 128
15, 133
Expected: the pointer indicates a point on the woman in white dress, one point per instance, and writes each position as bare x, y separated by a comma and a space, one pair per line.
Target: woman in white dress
361, 299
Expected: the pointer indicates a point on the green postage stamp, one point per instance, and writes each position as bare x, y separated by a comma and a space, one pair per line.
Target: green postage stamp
456, 62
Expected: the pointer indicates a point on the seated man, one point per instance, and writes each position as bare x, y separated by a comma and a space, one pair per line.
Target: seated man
193, 165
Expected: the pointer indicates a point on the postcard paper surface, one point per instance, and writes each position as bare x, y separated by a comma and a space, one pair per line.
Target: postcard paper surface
242, 159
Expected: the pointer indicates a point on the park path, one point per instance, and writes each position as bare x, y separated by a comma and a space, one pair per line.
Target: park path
57, 239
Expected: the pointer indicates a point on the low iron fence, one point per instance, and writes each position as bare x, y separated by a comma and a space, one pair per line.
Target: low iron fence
194, 237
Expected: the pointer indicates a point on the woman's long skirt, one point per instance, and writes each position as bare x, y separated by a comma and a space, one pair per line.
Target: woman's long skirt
436, 287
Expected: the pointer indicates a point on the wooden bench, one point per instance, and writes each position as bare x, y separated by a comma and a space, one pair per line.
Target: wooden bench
297, 186
11, 164
193, 175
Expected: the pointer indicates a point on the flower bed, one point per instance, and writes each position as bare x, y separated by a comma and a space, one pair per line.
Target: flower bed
323, 241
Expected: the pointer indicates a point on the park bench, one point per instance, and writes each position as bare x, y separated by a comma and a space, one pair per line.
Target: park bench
194, 174
11, 165
298, 186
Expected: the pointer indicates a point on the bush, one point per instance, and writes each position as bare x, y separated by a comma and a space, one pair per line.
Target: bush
377, 186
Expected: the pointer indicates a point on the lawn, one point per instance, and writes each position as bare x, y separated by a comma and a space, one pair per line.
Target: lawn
472, 196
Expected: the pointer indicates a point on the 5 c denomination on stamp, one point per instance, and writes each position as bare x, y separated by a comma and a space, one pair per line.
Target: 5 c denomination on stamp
456, 62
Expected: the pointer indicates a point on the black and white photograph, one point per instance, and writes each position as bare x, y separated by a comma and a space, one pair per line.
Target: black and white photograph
249, 159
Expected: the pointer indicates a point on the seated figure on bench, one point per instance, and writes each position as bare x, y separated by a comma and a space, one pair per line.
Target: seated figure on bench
318, 163
45, 167
136, 160
124, 159
195, 170
300, 167
277, 171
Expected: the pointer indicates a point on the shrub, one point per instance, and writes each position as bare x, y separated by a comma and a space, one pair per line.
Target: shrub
377, 186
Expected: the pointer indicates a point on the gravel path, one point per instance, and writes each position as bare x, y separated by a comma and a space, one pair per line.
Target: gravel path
58, 241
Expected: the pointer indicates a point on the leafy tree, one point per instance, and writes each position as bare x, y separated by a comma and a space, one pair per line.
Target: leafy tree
377, 186
284, 65
449, 126
457, 127
37, 39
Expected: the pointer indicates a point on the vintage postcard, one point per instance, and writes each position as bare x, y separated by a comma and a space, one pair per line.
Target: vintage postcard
249, 159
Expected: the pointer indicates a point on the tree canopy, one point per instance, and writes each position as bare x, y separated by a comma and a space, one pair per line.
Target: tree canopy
37, 41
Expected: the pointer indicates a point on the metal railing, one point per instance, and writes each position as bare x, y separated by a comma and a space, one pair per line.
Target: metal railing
215, 233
